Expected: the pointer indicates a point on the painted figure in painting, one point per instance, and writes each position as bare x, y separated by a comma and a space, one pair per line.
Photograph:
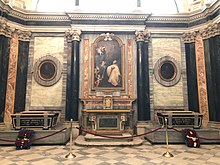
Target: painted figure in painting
114, 74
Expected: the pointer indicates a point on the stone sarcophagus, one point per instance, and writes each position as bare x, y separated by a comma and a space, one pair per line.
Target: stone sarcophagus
35, 119
108, 115
180, 119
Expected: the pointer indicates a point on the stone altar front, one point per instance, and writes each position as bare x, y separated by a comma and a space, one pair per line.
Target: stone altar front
108, 115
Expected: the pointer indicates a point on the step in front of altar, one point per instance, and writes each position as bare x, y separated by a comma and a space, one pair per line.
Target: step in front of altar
93, 140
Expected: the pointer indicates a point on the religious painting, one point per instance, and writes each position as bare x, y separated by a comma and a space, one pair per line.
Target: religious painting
107, 63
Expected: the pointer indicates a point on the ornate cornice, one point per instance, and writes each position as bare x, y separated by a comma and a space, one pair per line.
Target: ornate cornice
142, 36
207, 32
73, 35
185, 18
103, 16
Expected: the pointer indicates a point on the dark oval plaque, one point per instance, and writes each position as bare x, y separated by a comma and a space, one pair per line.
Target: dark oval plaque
167, 71
47, 70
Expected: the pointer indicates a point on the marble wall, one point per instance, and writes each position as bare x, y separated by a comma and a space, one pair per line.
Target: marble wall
52, 95
164, 97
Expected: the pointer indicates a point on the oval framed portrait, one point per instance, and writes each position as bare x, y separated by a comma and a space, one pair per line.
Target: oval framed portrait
167, 71
47, 70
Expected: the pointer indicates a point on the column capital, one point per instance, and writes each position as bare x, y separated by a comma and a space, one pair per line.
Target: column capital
23, 35
73, 35
142, 36
209, 31
5, 29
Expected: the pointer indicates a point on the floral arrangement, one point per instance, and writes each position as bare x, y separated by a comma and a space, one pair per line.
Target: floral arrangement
24, 139
191, 138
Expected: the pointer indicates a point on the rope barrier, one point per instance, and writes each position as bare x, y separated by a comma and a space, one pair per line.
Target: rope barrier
36, 138
7, 140
49, 135
201, 138
118, 137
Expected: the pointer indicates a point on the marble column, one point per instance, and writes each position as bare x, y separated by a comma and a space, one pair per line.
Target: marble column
192, 86
22, 67
143, 96
5, 34
201, 79
205, 43
11, 80
211, 41
72, 87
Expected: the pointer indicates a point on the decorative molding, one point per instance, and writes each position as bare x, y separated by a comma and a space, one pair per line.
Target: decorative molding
73, 35
207, 32
107, 36
11, 82
130, 69
86, 68
201, 79
104, 16
142, 36
147, 18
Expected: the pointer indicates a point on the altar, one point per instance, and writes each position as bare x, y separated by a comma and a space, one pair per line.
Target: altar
108, 115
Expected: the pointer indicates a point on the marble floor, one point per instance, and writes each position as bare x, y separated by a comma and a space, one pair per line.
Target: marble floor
146, 154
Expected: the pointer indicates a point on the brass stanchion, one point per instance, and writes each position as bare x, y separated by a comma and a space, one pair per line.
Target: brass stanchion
70, 155
167, 153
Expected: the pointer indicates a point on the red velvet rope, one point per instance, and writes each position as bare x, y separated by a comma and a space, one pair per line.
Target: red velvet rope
49, 135
37, 138
118, 137
201, 138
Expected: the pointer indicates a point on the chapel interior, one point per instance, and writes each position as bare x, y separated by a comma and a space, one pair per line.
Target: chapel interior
116, 68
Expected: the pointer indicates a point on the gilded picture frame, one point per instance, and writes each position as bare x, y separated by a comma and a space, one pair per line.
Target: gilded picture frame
107, 63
